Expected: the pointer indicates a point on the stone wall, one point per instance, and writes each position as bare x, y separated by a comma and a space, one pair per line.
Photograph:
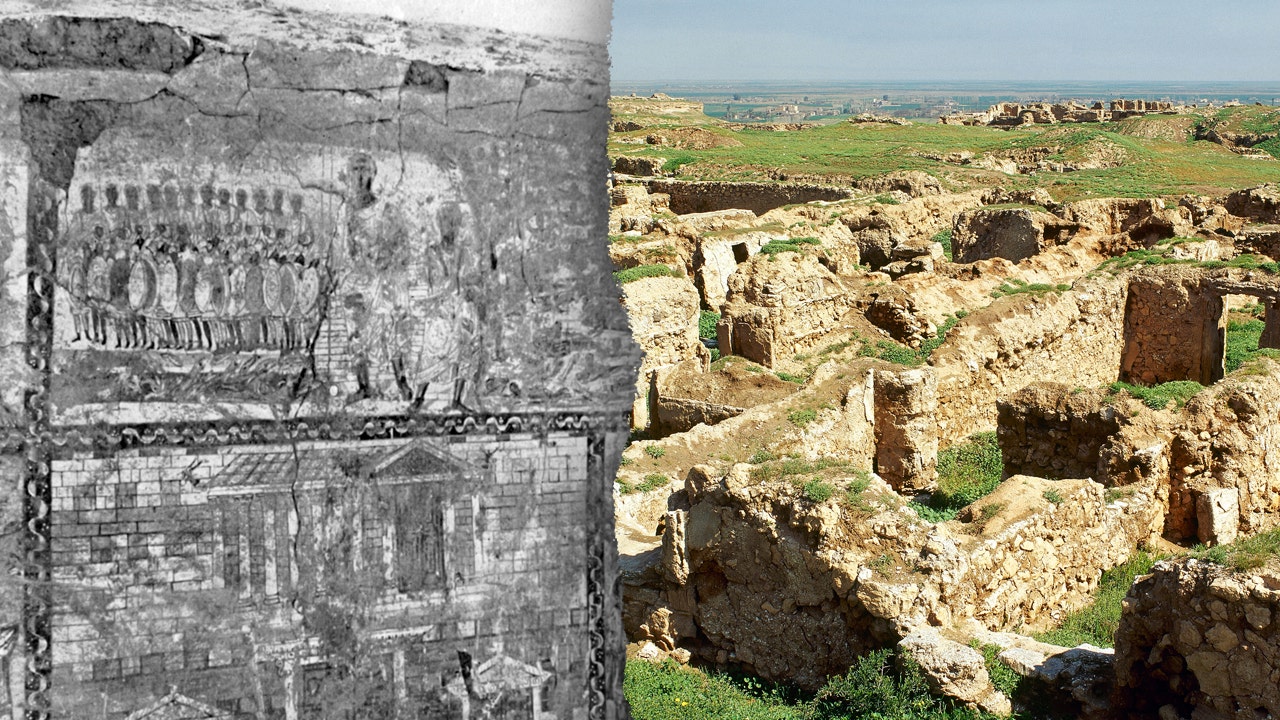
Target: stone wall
1075, 337
1174, 329
780, 305
1014, 234
1200, 640
697, 196
316, 371
906, 404
1053, 430
664, 321
759, 576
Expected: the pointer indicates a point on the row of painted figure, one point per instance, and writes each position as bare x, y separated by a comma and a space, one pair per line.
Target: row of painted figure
236, 224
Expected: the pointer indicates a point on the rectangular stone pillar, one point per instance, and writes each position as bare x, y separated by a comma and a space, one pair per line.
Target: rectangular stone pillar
1271, 330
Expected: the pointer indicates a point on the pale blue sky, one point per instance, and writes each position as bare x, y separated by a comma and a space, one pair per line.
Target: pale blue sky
905, 40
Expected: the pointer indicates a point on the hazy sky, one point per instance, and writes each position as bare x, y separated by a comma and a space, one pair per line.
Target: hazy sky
577, 19
895, 40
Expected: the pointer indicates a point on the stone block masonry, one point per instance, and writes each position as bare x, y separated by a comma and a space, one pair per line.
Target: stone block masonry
315, 374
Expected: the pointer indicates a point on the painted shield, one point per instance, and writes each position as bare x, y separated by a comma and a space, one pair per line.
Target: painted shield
99, 278
211, 288
166, 284
308, 292
254, 301
288, 288
142, 284
271, 287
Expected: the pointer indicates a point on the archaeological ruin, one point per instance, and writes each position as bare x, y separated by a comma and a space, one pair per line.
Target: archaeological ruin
316, 378
790, 503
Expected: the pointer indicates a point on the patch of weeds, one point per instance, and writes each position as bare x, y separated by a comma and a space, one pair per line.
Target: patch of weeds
1242, 344
1096, 623
886, 199
790, 467
774, 247
943, 237
1113, 494
655, 451
754, 369
818, 491
1021, 287
1053, 496
835, 348
897, 354
855, 488
967, 472
625, 461
1247, 554
761, 456
1002, 676
935, 342
1157, 397
653, 481
800, 418
643, 271
797, 379
989, 511
625, 488
715, 354
707, 321
882, 564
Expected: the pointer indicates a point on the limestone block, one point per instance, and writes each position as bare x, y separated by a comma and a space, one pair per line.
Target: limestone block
1218, 515
954, 670
906, 427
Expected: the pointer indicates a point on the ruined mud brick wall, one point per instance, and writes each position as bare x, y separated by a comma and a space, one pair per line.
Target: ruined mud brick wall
1203, 639
1053, 430
1075, 337
755, 575
1260, 204
1224, 440
1014, 234
906, 406
694, 197
778, 306
1174, 329
664, 321
316, 375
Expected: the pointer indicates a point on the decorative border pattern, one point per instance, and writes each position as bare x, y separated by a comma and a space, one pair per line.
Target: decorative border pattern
37, 604
41, 440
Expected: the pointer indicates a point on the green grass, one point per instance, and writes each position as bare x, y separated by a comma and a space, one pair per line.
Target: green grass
670, 691
1242, 343
1155, 167
655, 451
653, 481
788, 377
1020, 287
643, 271
1053, 496
818, 491
1247, 554
1096, 623
943, 237
878, 687
707, 324
1158, 397
933, 343
790, 467
800, 418
774, 247
967, 472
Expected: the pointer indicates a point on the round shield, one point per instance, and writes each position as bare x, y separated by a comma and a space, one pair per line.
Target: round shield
142, 284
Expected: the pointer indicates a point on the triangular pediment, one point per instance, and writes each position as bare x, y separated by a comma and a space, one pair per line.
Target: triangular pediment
418, 458
176, 706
